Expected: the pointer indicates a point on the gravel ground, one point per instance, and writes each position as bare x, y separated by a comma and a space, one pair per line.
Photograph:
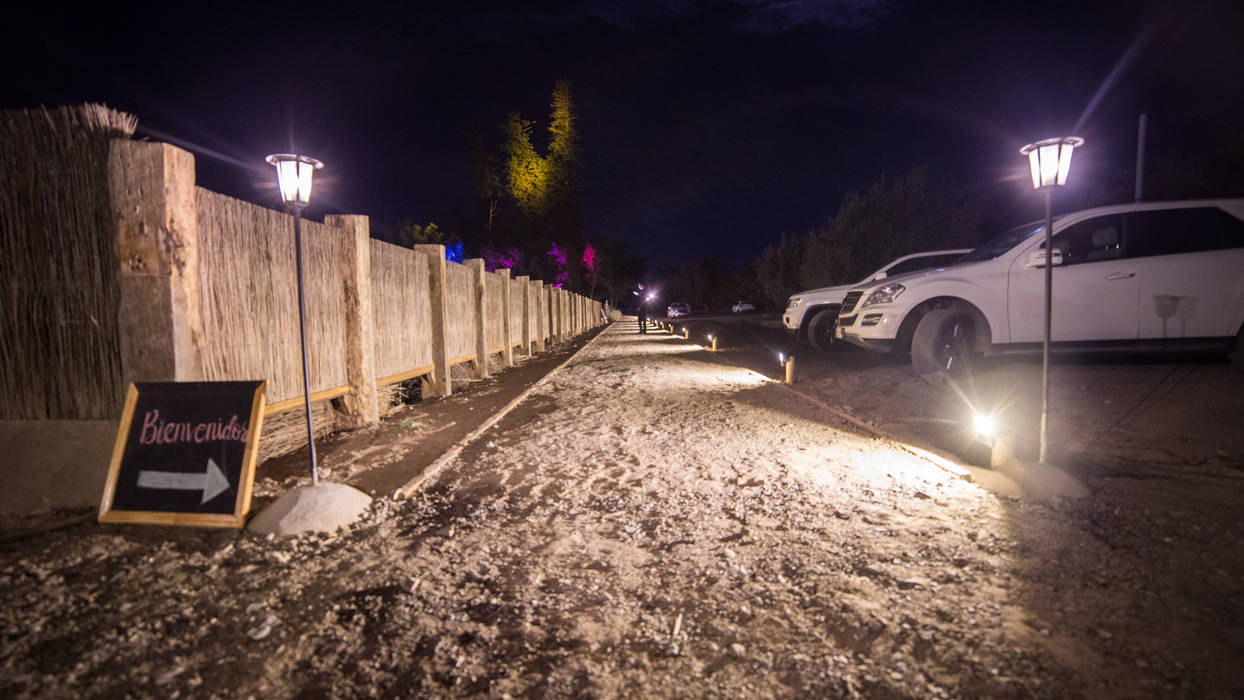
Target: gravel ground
655, 520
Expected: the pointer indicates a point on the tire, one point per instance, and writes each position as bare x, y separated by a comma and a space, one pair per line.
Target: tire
943, 345
1237, 351
821, 329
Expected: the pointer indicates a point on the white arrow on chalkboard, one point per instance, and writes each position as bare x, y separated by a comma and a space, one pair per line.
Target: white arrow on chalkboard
212, 482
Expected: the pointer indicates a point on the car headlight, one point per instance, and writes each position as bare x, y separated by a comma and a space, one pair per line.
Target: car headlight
884, 295
794, 301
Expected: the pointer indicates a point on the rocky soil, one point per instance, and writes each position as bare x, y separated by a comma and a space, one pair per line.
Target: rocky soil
657, 520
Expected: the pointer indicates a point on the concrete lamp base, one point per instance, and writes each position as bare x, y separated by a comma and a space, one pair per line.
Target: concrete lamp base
321, 508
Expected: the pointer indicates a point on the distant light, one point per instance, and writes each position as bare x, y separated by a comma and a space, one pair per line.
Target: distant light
293, 174
1049, 160
781, 358
710, 336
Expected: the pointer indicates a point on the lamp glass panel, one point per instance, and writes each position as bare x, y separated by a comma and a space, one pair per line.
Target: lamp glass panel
304, 182
1064, 162
1034, 166
287, 178
1049, 164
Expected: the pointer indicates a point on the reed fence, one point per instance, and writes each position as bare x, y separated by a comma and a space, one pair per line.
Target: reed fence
71, 334
59, 333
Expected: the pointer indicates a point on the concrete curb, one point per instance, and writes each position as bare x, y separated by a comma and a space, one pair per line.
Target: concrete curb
454, 450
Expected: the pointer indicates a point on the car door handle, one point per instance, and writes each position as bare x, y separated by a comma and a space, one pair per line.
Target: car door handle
1120, 276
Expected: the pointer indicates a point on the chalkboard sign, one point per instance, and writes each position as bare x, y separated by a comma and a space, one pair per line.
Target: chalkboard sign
185, 454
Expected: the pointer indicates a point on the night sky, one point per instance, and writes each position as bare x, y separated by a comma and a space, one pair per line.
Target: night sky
707, 127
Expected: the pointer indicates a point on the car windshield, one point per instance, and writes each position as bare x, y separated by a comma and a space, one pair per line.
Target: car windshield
998, 245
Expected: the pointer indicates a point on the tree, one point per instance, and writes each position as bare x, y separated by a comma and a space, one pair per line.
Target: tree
896, 216
410, 234
526, 172
486, 183
777, 270
562, 198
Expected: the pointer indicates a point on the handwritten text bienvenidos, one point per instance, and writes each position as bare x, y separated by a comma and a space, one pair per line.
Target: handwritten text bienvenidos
159, 432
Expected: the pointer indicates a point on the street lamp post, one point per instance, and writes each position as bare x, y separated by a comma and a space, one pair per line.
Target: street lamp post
293, 174
1049, 161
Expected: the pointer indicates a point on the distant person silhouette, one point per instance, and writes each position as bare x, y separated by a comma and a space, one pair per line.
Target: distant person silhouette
643, 316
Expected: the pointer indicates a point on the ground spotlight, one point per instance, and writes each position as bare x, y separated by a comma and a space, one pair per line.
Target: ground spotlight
986, 427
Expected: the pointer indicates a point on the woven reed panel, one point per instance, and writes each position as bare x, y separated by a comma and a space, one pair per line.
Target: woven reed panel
517, 290
494, 305
402, 311
250, 297
459, 311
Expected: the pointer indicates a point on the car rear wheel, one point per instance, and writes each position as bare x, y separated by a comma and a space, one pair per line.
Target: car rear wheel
943, 345
821, 329
1237, 352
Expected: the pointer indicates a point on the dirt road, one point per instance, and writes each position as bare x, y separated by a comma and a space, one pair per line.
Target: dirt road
651, 521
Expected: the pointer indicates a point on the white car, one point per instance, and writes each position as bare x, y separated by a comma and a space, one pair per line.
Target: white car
742, 307
678, 308
1149, 276
811, 314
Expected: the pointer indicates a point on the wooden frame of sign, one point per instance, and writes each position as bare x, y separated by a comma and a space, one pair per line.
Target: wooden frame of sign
200, 448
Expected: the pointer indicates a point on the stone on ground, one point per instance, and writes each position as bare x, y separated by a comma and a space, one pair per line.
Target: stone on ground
320, 508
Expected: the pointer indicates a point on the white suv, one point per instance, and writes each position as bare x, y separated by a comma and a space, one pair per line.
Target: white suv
811, 314
1151, 276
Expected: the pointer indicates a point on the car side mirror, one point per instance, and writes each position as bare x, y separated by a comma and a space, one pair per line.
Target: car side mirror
1037, 258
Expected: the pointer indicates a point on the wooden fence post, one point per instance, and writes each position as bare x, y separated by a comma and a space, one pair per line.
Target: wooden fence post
360, 404
440, 383
476, 266
507, 333
161, 320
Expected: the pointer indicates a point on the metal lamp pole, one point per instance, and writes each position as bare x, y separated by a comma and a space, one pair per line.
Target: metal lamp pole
302, 330
294, 177
1049, 161
1045, 343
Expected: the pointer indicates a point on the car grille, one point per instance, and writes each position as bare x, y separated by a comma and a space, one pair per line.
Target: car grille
849, 302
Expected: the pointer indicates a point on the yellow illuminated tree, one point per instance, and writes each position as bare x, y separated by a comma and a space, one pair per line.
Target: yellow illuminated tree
527, 174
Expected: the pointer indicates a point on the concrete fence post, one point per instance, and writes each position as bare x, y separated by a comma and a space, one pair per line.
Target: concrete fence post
522, 285
361, 407
555, 314
440, 383
476, 266
507, 333
161, 319
537, 317
563, 301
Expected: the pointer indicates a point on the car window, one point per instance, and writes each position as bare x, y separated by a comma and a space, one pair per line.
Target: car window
1174, 231
1000, 244
923, 262
1093, 240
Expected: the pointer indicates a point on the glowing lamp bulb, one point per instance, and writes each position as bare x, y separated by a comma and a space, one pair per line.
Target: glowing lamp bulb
781, 358
984, 425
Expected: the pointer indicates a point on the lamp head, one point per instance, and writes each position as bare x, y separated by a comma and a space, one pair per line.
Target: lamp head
293, 175
1049, 160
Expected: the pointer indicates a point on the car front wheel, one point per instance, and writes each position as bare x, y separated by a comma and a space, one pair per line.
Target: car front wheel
821, 329
943, 345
